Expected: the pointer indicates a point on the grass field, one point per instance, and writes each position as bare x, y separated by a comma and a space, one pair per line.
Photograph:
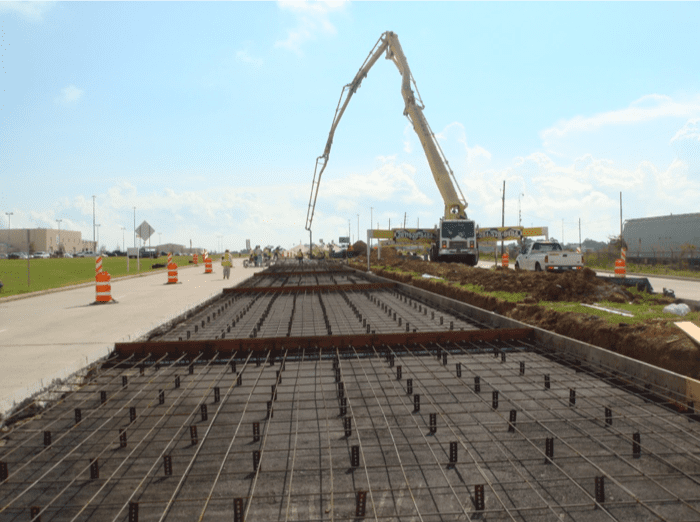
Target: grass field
55, 273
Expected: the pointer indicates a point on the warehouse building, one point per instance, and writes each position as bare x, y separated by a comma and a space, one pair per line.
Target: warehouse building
663, 238
43, 240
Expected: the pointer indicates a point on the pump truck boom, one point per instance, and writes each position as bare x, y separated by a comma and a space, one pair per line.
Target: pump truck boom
456, 237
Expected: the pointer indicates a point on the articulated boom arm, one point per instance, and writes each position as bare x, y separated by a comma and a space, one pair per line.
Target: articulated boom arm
455, 205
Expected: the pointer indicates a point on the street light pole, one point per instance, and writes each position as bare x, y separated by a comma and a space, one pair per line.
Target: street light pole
123, 229
358, 227
93, 221
9, 227
58, 247
97, 246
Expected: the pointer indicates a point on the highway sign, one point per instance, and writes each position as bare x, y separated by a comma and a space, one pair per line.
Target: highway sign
144, 231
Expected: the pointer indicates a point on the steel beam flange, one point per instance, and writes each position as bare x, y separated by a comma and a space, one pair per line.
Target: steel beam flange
258, 344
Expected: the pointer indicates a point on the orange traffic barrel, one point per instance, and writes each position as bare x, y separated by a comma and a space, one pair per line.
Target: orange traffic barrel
505, 259
620, 268
98, 265
103, 289
194, 259
207, 266
172, 273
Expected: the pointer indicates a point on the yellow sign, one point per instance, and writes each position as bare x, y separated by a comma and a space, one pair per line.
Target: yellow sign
414, 235
499, 233
381, 234
536, 231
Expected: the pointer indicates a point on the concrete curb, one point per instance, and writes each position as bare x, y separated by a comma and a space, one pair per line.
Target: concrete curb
83, 285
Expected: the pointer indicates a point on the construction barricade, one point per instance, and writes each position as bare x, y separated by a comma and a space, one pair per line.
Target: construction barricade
172, 273
208, 266
103, 289
620, 268
98, 265
505, 260
195, 259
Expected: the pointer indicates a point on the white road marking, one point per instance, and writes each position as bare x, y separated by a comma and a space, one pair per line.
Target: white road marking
3, 330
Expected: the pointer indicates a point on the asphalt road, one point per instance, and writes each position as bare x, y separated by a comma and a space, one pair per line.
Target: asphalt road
48, 335
682, 287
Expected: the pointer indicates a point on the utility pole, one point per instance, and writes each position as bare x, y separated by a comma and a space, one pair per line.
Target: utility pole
580, 247
503, 215
404, 220
358, 227
620, 217
123, 248
371, 226
97, 247
562, 232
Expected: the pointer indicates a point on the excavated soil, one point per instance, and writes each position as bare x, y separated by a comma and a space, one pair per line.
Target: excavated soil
654, 341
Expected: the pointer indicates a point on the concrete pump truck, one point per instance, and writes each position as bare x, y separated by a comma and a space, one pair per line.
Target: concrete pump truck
456, 237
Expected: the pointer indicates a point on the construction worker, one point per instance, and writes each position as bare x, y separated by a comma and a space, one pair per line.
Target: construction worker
227, 263
300, 256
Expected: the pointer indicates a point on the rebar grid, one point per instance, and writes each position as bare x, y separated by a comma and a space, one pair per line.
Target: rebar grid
314, 421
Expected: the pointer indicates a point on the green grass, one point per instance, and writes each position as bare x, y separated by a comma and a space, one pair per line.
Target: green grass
55, 273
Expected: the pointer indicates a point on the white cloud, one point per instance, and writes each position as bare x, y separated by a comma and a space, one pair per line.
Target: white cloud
647, 108
69, 94
244, 56
312, 19
33, 11
390, 182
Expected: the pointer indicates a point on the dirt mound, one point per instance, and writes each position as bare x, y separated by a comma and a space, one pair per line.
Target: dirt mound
654, 342
581, 286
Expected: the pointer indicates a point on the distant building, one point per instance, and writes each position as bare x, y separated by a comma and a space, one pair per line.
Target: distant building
43, 240
663, 238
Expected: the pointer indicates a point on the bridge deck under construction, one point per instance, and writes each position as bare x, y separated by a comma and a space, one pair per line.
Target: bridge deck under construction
320, 403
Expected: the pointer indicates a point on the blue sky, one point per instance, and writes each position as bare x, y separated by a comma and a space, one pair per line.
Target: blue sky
208, 117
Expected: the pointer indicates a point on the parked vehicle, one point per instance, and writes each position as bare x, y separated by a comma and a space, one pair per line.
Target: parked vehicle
67, 255
3, 256
547, 256
18, 255
41, 255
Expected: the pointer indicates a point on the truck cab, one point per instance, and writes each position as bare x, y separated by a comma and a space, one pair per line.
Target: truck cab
456, 242
547, 256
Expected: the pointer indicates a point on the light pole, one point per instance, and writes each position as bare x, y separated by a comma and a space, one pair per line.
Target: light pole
371, 226
97, 246
519, 214
358, 227
58, 247
123, 229
93, 220
9, 227
134, 227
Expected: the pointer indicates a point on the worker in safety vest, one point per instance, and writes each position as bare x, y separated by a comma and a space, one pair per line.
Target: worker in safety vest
300, 257
227, 263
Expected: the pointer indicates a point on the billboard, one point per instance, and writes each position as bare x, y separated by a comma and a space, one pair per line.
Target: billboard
414, 235
488, 234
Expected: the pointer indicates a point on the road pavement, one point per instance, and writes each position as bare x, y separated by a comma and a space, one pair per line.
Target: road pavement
51, 335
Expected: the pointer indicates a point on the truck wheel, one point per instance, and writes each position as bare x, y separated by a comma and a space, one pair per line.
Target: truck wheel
538, 268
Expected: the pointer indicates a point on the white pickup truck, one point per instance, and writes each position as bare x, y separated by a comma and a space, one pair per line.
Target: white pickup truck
547, 256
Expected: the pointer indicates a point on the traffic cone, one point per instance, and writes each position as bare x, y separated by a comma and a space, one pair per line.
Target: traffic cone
172, 273
103, 290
